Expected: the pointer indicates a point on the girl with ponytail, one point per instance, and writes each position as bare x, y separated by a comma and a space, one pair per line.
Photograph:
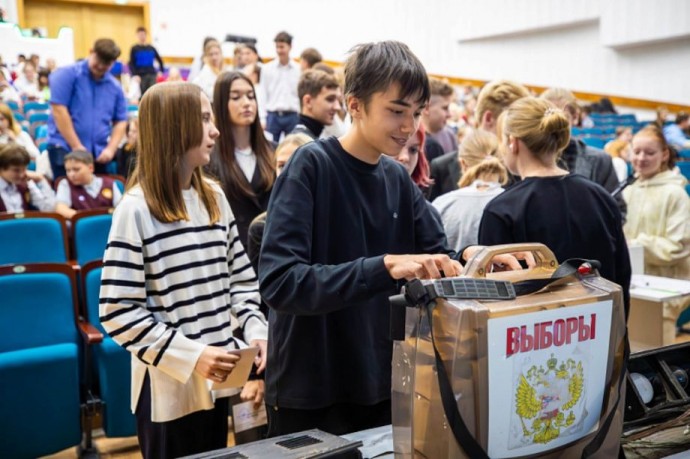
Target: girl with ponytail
570, 214
483, 176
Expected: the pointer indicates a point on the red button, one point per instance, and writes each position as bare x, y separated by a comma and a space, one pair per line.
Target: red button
585, 269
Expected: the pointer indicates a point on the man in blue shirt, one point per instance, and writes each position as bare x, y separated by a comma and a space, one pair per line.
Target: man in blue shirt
675, 133
89, 111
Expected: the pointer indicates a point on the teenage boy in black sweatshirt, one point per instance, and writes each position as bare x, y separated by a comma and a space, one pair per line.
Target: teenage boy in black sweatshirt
345, 223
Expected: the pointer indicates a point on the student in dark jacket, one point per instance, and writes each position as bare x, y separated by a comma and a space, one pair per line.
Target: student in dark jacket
243, 159
445, 173
345, 223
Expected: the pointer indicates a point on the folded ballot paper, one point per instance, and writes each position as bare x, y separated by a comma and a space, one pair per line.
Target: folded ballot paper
243, 367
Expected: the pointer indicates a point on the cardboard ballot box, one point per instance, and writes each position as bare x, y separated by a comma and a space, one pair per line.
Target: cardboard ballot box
655, 305
535, 375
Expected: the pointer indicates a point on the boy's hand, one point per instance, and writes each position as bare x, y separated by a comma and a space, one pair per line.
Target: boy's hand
260, 360
216, 363
505, 262
421, 266
253, 390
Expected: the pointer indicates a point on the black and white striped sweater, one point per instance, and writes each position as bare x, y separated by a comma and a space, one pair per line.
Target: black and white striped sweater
170, 289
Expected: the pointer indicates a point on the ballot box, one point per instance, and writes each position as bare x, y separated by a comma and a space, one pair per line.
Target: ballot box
655, 305
515, 364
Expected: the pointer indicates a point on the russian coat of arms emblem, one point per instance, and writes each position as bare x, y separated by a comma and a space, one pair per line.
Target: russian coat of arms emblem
545, 398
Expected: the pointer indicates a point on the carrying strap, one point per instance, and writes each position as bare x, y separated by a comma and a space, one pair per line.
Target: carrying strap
567, 268
450, 407
460, 431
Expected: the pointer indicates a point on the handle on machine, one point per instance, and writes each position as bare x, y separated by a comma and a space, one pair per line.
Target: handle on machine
543, 256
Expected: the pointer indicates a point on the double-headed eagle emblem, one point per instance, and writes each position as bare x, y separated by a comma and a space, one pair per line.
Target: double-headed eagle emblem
546, 397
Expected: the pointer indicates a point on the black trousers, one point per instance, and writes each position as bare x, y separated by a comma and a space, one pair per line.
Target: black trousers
147, 80
337, 419
192, 434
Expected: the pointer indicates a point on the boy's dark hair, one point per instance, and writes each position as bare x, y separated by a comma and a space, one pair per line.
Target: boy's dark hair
283, 37
141, 29
80, 156
374, 67
312, 56
313, 81
681, 117
106, 49
13, 154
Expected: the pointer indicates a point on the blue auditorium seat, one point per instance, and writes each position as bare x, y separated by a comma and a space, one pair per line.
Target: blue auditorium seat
90, 229
33, 237
111, 361
40, 408
35, 107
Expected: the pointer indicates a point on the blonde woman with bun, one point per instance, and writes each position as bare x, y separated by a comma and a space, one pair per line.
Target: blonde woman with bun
570, 214
483, 176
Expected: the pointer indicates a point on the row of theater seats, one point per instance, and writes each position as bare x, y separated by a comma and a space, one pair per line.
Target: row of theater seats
43, 237
58, 367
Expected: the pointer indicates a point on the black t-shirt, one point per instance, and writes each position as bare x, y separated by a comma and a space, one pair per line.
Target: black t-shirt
571, 215
331, 220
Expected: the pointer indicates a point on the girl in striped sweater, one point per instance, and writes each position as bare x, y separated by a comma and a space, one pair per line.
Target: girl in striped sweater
177, 287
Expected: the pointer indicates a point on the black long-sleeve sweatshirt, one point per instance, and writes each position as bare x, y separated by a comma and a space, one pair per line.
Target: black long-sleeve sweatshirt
331, 220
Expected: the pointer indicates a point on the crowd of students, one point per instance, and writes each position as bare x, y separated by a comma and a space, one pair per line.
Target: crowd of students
237, 229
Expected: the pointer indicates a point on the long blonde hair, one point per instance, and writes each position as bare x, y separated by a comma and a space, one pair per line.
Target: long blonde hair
170, 125
478, 152
543, 128
12, 123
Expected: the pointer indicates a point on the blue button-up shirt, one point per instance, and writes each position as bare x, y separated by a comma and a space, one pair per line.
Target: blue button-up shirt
93, 105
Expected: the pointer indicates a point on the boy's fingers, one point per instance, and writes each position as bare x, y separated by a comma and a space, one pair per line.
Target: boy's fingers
449, 268
509, 261
529, 258
430, 268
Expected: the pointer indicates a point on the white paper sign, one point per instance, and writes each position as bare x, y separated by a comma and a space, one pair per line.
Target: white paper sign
547, 376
